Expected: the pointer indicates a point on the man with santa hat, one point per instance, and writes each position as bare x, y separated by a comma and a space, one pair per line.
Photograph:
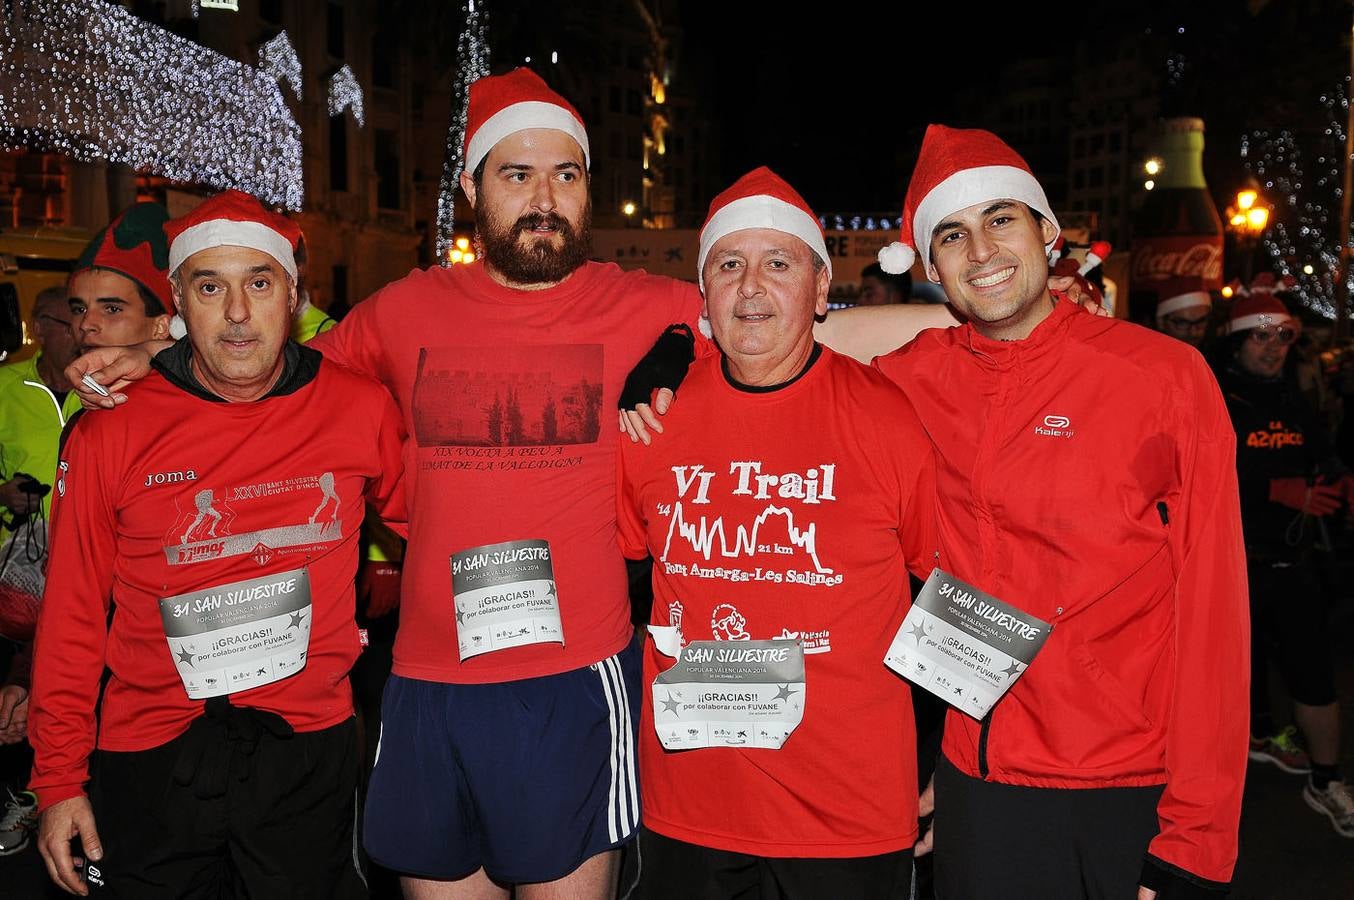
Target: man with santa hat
1085, 476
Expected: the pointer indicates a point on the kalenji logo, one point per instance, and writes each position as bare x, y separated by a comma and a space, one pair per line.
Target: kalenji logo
1055, 426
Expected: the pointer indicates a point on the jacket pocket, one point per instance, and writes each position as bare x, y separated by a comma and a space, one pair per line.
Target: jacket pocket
1110, 689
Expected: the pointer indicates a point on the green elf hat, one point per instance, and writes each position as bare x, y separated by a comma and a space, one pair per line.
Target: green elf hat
134, 245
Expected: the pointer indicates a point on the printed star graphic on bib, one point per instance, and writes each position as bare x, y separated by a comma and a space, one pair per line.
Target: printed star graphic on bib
296, 618
784, 692
184, 655
918, 631
670, 705
1012, 669
551, 592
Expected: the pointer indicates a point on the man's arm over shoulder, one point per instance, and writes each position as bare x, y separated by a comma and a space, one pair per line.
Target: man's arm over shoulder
73, 624
357, 342
865, 332
1206, 735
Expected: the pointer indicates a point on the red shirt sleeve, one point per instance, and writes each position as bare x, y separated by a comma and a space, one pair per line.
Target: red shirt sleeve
1206, 738
72, 630
386, 493
631, 533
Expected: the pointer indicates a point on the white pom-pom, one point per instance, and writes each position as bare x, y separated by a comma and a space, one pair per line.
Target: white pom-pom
704, 325
897, 258
177, 328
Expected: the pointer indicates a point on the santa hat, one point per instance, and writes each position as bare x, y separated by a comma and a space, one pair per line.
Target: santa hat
133, 245
501, 105
1260, 309
760, 199
958, 168
1194, 296
233, 219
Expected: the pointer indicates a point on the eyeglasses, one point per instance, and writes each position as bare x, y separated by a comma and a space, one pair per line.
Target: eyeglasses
1283, 335
1180, 323
54, 320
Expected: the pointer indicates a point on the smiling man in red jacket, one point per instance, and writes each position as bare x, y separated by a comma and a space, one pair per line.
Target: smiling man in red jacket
1085, 475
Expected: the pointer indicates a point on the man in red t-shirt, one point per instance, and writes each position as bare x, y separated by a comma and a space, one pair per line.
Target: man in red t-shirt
219, 525
783, 512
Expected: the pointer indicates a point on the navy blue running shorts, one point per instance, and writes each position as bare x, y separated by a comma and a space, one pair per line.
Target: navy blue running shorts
525, 779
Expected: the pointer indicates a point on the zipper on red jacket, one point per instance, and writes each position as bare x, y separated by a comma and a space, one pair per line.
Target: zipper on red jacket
982, 744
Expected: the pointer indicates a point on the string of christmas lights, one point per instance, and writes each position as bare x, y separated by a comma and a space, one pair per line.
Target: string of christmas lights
1306, 219
278, 58
346, 93
472, 63
94, 82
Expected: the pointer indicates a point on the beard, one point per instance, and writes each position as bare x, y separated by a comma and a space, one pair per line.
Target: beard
536, 260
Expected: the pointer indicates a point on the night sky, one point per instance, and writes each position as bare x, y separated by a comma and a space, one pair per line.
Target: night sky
837, 102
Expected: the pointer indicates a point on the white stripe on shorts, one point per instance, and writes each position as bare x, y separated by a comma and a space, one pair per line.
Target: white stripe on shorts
630, 767
622, 805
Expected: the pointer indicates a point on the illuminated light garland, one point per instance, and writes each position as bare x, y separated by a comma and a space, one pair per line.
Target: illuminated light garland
346, 93
472, 63
1305, 221
92, 81
278, 58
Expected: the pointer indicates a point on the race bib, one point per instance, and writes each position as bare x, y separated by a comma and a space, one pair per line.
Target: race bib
504, 596
241, 635
728, 693
964, 645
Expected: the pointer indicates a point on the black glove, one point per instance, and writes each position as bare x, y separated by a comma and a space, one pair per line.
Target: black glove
664, 366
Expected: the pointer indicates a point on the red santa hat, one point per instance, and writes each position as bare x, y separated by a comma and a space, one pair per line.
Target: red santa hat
1195, 295
233, 219
1261, 309
501, 105
760, 199
958, 168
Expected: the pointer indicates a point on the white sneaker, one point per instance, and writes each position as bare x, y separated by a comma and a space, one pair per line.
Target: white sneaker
1336, 801
19, 822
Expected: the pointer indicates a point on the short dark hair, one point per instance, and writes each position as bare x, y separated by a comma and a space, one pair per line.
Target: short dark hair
148, 299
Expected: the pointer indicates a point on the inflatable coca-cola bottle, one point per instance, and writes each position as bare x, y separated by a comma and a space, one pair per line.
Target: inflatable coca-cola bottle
1177, 235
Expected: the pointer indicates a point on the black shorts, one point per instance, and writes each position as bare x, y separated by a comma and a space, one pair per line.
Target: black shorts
233, 807
670, 869
1006, 842
1290, 627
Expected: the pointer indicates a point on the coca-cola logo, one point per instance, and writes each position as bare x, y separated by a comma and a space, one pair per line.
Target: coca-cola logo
1153, 262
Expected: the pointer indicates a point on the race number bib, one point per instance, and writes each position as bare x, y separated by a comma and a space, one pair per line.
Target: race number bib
729, 694
238, 636
964, 645
505, 597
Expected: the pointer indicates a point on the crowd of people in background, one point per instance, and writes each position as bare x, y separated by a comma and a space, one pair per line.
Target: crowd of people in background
193, 596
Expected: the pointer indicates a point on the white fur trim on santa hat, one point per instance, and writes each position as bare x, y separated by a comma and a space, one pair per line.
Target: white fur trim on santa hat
520, 117
969, 187
1258, 320
896, 258
230, 233
177, 326
761, 211
1183, 301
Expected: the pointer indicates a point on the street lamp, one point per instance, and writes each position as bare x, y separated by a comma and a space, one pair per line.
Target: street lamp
1247, 218
628, 208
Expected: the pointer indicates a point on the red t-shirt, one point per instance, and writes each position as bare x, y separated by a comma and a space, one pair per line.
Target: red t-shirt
510, 397
821, 550
178, 494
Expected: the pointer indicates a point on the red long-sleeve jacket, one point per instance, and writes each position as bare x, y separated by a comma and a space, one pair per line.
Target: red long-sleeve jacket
1087, 475
179, 492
